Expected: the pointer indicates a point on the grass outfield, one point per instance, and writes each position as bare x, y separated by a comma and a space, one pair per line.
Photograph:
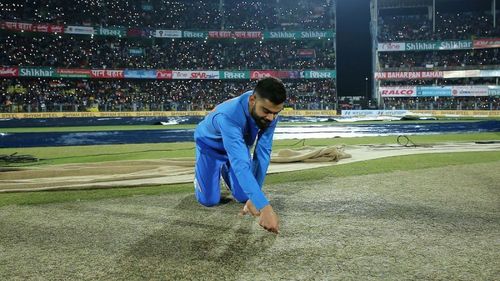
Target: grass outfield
378, 166
99, 153
418, 217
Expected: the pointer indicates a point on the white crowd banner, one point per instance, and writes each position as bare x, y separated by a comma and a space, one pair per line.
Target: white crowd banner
163, 33
469, 91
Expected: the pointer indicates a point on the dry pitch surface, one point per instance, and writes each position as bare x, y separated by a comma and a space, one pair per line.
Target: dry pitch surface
432, 224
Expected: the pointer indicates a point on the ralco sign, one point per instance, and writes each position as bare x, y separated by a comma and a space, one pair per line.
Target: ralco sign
397, 92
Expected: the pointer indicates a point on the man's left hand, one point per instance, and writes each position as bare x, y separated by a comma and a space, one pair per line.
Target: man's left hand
250, 209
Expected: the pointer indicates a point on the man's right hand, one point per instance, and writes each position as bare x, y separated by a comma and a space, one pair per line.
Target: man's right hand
269, 219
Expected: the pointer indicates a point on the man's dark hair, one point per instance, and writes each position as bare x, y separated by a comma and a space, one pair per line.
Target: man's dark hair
272, 89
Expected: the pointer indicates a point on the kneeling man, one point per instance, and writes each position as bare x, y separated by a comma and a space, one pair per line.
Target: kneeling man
223, 148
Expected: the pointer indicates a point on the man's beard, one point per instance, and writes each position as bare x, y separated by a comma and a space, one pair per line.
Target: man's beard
262, 122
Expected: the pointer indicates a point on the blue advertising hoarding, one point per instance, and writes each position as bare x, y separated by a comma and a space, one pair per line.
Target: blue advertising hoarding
434, 91
138, 73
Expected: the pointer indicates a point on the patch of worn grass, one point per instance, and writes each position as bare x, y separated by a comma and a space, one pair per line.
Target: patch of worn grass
429, 224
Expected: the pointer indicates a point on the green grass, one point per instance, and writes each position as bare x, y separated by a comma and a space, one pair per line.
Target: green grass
384, 165
99, 153
417, 139
390, 164
45, 197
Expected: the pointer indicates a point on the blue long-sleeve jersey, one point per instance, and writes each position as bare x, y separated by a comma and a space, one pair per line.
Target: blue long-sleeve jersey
230, 130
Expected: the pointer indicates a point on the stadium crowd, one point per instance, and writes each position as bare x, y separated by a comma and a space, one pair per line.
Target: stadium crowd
452, 26
440, 60
441, 103
75, 51
177, 14
47, 95
19, 49
442, 82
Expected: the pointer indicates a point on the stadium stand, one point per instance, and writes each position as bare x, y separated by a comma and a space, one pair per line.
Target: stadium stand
190, 46
440, 60
458, 25
73, 51
437, 57
43, 95
178, 14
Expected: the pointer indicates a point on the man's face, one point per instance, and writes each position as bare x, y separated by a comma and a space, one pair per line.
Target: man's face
263, 111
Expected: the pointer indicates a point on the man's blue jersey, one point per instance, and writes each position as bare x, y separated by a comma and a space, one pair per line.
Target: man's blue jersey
229, 130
